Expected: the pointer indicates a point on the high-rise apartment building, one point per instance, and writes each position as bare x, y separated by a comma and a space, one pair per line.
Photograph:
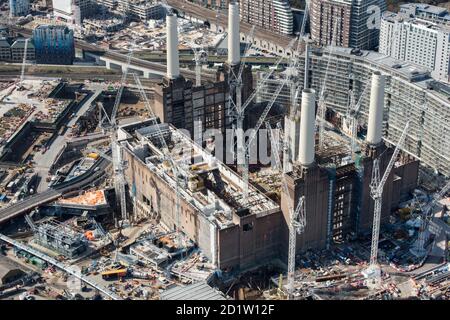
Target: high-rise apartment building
418, 41
273, 15
347, 23
19, 8
54, 44
330, 22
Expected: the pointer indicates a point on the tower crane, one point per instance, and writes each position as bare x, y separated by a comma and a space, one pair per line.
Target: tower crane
305, 18
200, 58
376, 192
242, 148
264, 80
351, 116
118, 165
322, 95
165, 149
22, 73
297, 217
419, 249
253, 134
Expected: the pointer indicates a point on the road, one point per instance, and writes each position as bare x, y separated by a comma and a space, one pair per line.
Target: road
85, 180
45, 160
78, 76
261, 60
69, 269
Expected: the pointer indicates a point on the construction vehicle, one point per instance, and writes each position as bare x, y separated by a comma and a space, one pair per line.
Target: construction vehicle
114, 274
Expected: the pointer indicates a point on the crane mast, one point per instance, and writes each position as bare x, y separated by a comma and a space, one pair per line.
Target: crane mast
245, 150
376, 192
22, 73
165, 150
242, 157
322, 96
297, 217
419, 249
118, 165
351, 117
200, 58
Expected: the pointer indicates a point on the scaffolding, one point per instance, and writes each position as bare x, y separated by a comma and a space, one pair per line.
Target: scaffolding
410, 94
60, 237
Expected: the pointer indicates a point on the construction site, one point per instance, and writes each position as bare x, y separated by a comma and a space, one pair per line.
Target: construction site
239, 185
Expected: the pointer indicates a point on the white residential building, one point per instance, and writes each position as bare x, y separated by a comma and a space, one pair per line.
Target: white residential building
418, 41
425, 11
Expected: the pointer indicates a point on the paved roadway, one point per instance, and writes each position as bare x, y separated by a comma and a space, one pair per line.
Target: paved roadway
43, 163
161, 57
45, 160
51, 194
78, 76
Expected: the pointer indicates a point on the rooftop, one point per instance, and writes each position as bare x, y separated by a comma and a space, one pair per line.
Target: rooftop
439, 11
405, 18
195, 291
210, 186
90, 198
20, 43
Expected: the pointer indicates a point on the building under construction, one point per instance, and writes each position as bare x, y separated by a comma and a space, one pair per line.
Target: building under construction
192, 191
335, 180
61, 238
185, 105
411, 93
200, 196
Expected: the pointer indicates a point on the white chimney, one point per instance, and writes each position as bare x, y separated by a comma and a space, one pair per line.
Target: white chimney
307, 124
233, 34
375, 122
173, 63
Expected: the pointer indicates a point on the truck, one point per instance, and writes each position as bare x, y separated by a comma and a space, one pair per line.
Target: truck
114, 274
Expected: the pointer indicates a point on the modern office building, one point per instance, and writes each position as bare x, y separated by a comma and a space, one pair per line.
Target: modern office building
11, 49
18, 48
273, 15
418, 41
54, 44
18, 8
347, 23
73, 11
